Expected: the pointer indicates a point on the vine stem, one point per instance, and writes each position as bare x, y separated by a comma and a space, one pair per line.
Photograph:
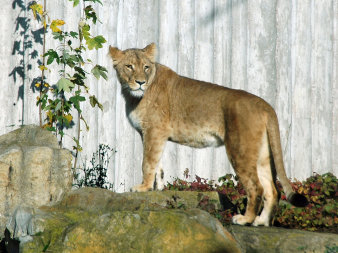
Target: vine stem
43, 60
78, 112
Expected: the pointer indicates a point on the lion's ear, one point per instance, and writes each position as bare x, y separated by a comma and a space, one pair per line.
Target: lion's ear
150, 51
116, 54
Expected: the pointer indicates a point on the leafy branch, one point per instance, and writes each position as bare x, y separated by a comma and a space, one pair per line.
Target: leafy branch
70, 91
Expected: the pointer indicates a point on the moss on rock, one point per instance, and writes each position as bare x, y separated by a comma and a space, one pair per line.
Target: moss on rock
89, 220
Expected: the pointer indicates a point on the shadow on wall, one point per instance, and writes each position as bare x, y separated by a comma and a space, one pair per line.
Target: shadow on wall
218, 11
27, 38
25, 41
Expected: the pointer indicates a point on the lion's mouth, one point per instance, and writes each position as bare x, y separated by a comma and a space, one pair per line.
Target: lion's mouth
137, 92
140, 88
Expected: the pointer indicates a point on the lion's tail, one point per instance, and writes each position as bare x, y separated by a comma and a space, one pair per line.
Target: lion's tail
294, 198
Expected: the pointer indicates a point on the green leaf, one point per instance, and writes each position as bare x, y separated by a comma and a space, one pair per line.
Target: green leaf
64, 84
98, 71
71, 60
93, 101
76, 101
52, 129
90, 13
74, 34
95, 42
329, 208
65, 55
50, 60
58, 36
81, 72
85, 32
100, 39
51, 56
58, 106
76, 2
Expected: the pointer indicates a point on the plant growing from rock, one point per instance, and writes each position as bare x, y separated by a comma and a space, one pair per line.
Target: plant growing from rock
59, 101
95, 175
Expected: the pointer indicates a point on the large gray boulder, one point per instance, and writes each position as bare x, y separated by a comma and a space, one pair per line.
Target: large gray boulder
34, 171
97, 220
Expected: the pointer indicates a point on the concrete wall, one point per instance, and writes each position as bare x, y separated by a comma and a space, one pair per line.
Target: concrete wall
282, 50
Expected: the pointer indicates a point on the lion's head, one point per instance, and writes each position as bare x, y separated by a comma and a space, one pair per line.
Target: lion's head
135, 68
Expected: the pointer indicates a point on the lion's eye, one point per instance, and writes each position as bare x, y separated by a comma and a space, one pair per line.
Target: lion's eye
130, 67
146, 68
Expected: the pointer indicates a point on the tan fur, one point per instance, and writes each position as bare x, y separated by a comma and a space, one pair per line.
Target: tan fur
164, 106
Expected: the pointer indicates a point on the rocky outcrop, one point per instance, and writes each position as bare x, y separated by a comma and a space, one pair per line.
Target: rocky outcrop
42, 212
97, 200
273, 240
34, 171
97, 220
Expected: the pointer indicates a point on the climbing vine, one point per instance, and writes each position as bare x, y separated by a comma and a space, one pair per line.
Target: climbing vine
61, 100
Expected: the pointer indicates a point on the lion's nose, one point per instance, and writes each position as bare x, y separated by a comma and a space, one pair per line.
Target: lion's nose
140, 82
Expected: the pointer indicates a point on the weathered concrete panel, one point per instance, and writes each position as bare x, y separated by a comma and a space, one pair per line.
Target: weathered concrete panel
284, 51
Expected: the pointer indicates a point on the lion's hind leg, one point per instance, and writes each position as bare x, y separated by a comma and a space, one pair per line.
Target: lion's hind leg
269, 190
243, 143
245, 168
254, 192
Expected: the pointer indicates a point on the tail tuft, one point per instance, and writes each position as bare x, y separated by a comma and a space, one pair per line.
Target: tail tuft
297, 200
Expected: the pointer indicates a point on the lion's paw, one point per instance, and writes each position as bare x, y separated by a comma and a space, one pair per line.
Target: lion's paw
241, 219
141, 188
261, 221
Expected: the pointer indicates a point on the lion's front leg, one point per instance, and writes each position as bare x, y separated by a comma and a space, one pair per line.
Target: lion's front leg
153, 145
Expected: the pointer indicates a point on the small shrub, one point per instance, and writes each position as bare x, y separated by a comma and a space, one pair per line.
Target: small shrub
199, 184
96, 174
319, 215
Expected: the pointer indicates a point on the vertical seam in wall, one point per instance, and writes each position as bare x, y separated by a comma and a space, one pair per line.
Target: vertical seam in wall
117, 104
277, 88
135, 164
115, 174
24, 72
213, 153
158, 28
334, 78
289, 94
98, 57
230, 25
193, 73
293, 20
247, 46
213, 41
230, 40
312, 37
177, 149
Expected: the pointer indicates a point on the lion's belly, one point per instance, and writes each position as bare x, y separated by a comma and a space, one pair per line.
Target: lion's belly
189, 135
197, 138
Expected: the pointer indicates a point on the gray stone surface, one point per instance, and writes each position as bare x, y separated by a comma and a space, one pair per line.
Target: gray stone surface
97, 200
280, 240
34, 171
96, 220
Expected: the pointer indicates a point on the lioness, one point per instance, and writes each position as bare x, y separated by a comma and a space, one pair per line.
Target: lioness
162, 106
